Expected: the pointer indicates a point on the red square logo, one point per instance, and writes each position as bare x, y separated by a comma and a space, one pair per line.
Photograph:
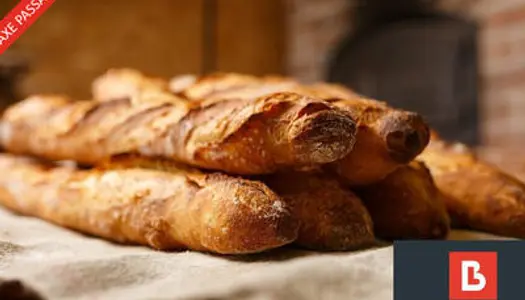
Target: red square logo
473, 275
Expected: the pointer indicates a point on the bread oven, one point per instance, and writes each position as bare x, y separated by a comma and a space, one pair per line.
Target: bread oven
412, 56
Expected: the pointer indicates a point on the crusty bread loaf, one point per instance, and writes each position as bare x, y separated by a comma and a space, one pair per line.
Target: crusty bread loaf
386, 137
180, 209
478, 195
219, 86
407, 205
332, 218
126, 83
258, 136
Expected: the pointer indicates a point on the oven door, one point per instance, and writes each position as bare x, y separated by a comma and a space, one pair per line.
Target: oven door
426, 65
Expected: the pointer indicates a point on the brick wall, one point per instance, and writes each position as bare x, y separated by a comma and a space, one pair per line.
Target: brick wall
315, 26
502, 45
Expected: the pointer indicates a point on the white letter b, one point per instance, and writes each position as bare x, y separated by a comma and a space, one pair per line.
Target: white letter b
465, 285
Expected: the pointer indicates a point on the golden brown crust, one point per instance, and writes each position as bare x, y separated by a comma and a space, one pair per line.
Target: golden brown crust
332, 218
125, 83
219, 86
180, 209
332, 91
407, 205
386, 137
478, 195
244, 137
215, 87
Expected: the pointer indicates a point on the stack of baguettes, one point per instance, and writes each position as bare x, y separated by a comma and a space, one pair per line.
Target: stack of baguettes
231, 164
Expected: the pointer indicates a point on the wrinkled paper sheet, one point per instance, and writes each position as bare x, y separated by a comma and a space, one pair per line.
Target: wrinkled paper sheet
61, 264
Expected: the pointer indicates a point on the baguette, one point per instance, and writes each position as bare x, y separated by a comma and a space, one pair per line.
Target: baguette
407, 205
330, 217
122, 83
478, 195
259, 136
126, 83
182, 209
386, 138
219, 86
